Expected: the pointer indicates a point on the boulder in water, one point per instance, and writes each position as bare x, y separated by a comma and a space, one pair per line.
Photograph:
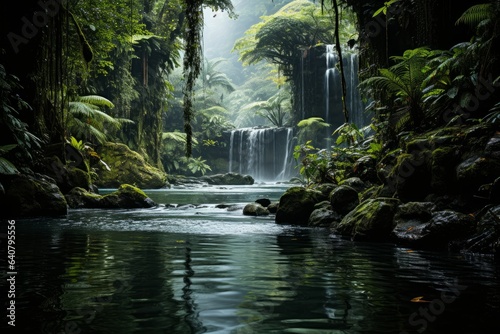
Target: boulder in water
297, 204
126, 197
228, 179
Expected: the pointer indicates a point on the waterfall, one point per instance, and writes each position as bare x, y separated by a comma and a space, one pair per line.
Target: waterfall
333, 89
263, 153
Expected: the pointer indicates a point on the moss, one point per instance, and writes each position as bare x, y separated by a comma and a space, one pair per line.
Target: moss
371, 220
297, 204
127, 166
79, 178
127, 188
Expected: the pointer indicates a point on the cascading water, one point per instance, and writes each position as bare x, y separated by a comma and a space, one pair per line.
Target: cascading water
333, 89
263, 153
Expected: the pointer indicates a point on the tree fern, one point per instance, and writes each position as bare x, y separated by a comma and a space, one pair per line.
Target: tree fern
476, 14
406, 80
84, 119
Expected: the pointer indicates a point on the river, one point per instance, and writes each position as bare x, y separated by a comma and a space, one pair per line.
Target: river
191, 267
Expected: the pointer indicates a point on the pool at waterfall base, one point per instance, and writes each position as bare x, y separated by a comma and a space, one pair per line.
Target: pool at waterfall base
191, 266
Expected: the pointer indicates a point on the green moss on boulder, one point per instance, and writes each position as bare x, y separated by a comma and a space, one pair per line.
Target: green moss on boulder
127, 167
125, 197
370, 220
297, 204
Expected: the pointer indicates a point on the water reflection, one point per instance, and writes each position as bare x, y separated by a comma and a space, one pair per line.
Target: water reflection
130, 272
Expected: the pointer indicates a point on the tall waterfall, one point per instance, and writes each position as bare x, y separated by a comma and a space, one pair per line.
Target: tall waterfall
264, 153
333, 89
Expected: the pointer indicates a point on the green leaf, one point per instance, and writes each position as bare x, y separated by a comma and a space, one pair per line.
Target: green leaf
7, 167
7, 148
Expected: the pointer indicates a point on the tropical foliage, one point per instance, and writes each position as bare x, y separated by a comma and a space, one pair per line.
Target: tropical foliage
19, 142
276, 109
405, 82
86, 120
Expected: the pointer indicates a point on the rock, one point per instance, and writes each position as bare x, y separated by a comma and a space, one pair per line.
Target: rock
67, 177
126, 167
476, 171
273, 207
228, 179
323, 215
325, 188
495, 191
365, 169
296, 205
435, 233
419, 211
32, 196
126, 197
79, 198
411, 177
185, 181
492, 148
255, 209
355, 183
443, 163
265, 202
486, 238
343, 199
371, 220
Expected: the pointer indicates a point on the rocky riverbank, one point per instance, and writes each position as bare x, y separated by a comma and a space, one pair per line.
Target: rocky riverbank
439, 190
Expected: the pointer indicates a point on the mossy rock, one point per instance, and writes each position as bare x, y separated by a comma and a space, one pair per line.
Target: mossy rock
343, 199
410, 178
297, 204
32, 196
477, 171
228, 179
78, 198
372, 220
125, 197
255, 209
67, 176
443, 163
126, 167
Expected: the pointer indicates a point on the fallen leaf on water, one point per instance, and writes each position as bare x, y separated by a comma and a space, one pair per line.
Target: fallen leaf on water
419, 300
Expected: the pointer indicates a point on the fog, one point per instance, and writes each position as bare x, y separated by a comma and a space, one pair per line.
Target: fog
221, 32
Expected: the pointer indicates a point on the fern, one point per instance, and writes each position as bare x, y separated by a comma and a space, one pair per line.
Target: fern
476, 14
86, 120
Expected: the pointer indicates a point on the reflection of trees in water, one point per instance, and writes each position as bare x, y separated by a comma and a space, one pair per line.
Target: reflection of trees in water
315, 295
187, 294
116, 283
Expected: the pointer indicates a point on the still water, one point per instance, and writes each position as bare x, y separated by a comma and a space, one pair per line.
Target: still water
201, 269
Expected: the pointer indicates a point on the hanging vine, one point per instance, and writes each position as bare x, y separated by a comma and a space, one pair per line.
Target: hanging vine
193, 55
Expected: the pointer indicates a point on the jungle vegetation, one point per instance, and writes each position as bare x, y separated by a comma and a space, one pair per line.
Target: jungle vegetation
134, 71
